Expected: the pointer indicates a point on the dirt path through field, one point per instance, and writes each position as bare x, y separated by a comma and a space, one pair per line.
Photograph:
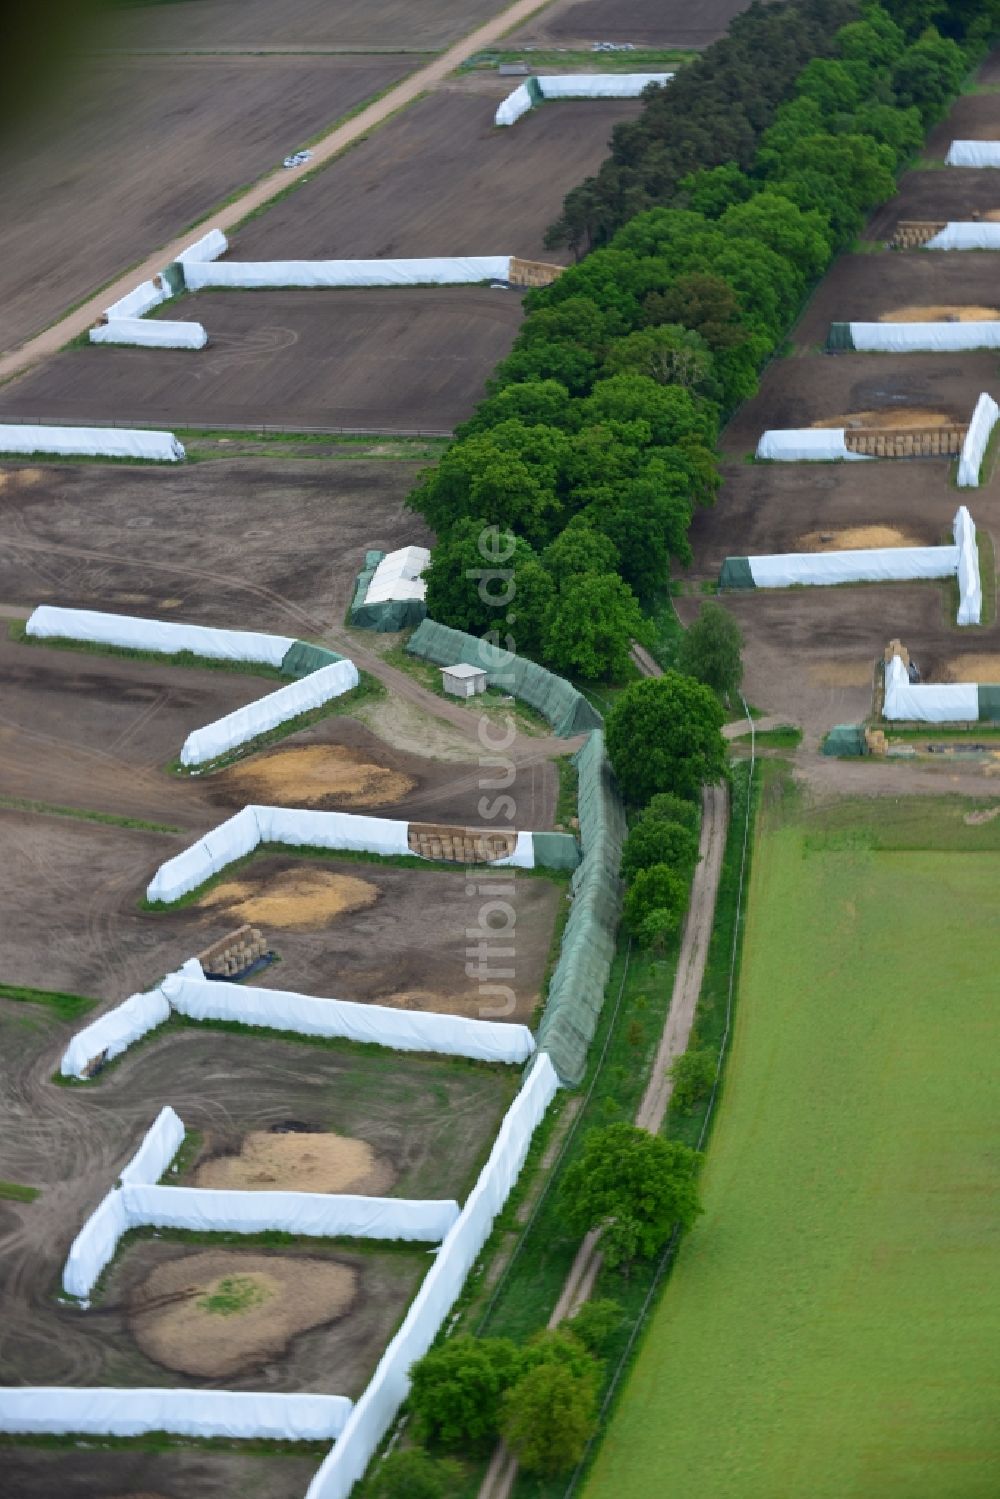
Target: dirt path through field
579, 1283
340, 137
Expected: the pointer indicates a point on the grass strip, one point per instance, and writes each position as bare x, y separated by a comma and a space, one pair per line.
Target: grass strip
781, 738
66, 1006
166, 1441
111, 819
16, 1192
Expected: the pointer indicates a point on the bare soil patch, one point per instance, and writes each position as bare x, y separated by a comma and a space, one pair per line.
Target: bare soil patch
855, 537
647, 23
210, 124
936, 197
119, 538
225, 1311
348, 26
298, 1162
972, 117
981, 666
841, 674
401, 359
293, 898
441, 179
941, 313
316, 775
130, 1472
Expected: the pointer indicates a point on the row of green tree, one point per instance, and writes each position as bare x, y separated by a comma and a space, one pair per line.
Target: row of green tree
541, 1396
564, 499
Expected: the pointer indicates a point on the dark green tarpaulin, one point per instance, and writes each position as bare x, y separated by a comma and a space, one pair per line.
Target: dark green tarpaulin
845, 739
735, 573
567, 710
989, 703
302, 659
576, 991
839, 338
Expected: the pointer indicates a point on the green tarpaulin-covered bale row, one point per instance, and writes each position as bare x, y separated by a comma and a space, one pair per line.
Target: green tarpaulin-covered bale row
735, 573
302, 659
576, 990
989, 703
567, 710
845, 739
839, 339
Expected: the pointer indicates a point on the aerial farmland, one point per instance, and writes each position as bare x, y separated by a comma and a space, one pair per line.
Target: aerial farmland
499, 726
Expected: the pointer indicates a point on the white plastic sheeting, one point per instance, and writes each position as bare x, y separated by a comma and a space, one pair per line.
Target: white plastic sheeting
980, 235
970, 591
926, 702
404, 1030
95, 1244
49, 622
912, 338
314, 1214
973, 154
209, 247
160, 1144
389, 1385
91, 442
598, 85
241, 834
575, 86
510, 110
115, 1032
155, 333
437, 271
398, 576
140, 300
984, 419
886, 564
807, 445
34, 1410
266, 713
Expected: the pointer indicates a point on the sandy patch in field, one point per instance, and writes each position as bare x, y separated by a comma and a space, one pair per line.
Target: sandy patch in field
941, 313
293, 898
841, 674
299, 1162
855, 538
971, 668
284, 1297
470, 1004
895, 417
984, 814
313, 775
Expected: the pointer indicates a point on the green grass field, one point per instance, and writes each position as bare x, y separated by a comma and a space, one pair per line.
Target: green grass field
829, 1329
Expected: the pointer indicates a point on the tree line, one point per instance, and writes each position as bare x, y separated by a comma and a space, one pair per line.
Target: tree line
595, 445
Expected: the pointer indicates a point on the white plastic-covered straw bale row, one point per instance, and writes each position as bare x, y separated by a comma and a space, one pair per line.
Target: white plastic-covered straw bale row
933, 338
973, 154
189, 993
981, 234
244, 724
984, 419
240, 835
374, 1412
239, 1414
875, 565
142, 333
574, 86
435, 271
48, 622
927, 702
140, 1203
807, 445
90, 442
